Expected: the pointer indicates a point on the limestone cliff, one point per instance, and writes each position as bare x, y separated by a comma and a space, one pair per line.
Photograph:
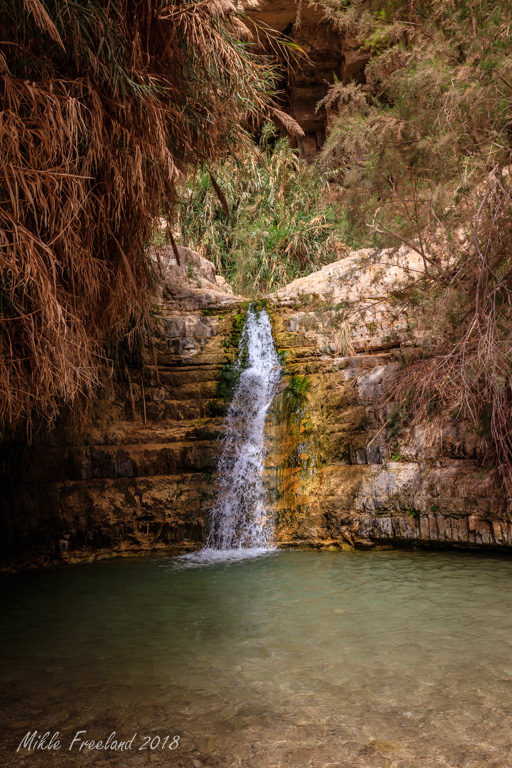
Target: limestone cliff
350, 472
140, 476
342, 469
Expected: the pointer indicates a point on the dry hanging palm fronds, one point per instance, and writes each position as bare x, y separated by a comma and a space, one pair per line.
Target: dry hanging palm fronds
220, 194
104, 105
287, 122
207, 8
42, 19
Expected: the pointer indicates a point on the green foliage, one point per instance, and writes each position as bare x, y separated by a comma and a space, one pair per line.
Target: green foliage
229, 374
432, 117
398, 417
227, 381
237, 327
217, 408
283, 218
422, 150
292, 400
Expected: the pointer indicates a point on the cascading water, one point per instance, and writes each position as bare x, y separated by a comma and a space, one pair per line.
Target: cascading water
240, 523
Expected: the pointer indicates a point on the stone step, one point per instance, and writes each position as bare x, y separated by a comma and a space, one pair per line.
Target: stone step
104, 515
123, 461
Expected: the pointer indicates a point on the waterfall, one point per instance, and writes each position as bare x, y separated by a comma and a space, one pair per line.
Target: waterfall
240, 523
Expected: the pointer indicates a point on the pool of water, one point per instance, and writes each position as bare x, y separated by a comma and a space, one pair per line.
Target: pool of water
295, 659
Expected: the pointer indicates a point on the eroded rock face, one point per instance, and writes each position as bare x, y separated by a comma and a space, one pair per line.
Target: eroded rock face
349, 471
141, 476
355, 300
193, 283
330, 55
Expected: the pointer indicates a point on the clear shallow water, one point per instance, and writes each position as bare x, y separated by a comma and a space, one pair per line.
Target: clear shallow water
294, 659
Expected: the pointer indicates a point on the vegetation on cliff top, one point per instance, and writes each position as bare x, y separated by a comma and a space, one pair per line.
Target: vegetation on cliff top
108, 103
282, 222
431, 118
419, 152
105, 105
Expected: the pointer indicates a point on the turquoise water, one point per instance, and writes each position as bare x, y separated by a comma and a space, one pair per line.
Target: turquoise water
295, 659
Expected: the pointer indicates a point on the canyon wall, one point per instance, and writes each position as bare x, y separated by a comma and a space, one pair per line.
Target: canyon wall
329, 55
139, 474
343, 469
351, 472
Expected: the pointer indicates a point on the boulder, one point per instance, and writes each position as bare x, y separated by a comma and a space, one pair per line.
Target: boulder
191, 284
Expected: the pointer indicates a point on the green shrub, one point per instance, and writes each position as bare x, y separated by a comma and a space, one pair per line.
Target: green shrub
431, 119
422, 151
283, 218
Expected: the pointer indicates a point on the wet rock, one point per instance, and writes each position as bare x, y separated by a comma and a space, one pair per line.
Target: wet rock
363, 483
142, 475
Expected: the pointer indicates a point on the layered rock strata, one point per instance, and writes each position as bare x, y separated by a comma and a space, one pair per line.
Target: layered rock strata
350, 471
331, 55
140, 475
343, 469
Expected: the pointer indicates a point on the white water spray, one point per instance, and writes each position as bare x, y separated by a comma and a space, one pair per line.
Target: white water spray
240, 523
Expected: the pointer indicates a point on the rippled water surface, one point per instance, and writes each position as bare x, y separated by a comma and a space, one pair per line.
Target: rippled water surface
295, 659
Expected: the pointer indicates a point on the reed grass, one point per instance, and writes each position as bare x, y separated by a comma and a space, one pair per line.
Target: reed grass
283, 218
